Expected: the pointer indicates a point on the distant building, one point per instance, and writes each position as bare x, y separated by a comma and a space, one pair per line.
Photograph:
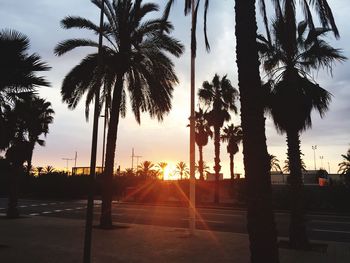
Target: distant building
278, 178
211, 176
85, 170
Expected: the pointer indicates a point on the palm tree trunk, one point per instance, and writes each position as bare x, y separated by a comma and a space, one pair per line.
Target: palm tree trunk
297, 228
200, 163
217, 166
30, 158
232, 167
261, 224
107, 188
12, 209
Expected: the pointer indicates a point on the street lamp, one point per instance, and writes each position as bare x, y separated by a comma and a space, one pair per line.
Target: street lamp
314, 147
321, 157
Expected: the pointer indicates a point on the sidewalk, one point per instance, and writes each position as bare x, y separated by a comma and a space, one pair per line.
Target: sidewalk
51, 240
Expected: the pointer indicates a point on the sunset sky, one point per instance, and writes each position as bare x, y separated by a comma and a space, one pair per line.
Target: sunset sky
168, 141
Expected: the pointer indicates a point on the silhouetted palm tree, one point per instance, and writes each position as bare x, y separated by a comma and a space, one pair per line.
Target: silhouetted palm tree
18, 68
286, 167
182, 170
288, 60
233, 135
220, 96
49, 169
344, 166
134, 59
161, 166
146, 169
203, 132
37, 115
261, 225
205, 170
274, 163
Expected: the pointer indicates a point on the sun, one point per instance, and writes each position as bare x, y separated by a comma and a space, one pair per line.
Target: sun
169, 173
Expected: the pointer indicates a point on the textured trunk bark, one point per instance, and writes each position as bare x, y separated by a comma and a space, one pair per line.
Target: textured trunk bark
107, 184
297, 228
30, 158
260, 218
200, 163
232, 172
217, 166
12, 209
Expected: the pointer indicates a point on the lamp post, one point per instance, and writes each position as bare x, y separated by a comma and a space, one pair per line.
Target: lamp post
192, 204
90, 202
321, 157
314, 147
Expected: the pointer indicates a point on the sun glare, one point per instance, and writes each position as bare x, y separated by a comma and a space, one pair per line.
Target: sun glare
169, 172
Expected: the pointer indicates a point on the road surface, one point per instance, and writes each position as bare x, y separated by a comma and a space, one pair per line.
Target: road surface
320, 226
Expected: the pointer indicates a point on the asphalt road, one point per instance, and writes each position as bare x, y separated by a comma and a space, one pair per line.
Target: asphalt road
320, 227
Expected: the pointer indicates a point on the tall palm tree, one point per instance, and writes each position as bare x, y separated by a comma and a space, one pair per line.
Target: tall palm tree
182, 170
274, 163
288, 59
18, 68
203, 132
205, 169
220, 96
161, 166
135, 59
260, 219
233, 136
344, 166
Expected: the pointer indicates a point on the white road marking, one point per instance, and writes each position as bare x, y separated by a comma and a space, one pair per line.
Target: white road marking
57, 210
68, 209
21, 206
2, 208
43, 204
331, 231
33, 205
34, 214
47, 212
79, 207
2, 214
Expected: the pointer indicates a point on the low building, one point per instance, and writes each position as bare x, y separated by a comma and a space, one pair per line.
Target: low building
85, 170
211, 176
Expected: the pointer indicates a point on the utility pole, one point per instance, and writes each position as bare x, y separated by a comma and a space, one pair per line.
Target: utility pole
67, 160
75, 159
192, 204
329, 168
132, 160
314, 147
90, 201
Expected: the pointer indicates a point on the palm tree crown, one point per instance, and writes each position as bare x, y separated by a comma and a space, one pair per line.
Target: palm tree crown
344, 166
182, 170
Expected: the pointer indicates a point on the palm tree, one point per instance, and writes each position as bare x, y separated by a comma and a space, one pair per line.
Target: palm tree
344, 166
18, 68
37, 115
205, 169
49, 169
182, 170
161, 166
261, 225
288, 61
146, 169
286, 167
220, 96
233, 136
146, 71
203, 132
274, 163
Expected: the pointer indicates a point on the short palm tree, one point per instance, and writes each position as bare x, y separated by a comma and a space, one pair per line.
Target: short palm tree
146, 169
182, 170
288, 59
49, 169
161, 166
203, 132
344, 166
135, 59
205, 170
220, 97
37, 115
286, 167
274, 163
233, 135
